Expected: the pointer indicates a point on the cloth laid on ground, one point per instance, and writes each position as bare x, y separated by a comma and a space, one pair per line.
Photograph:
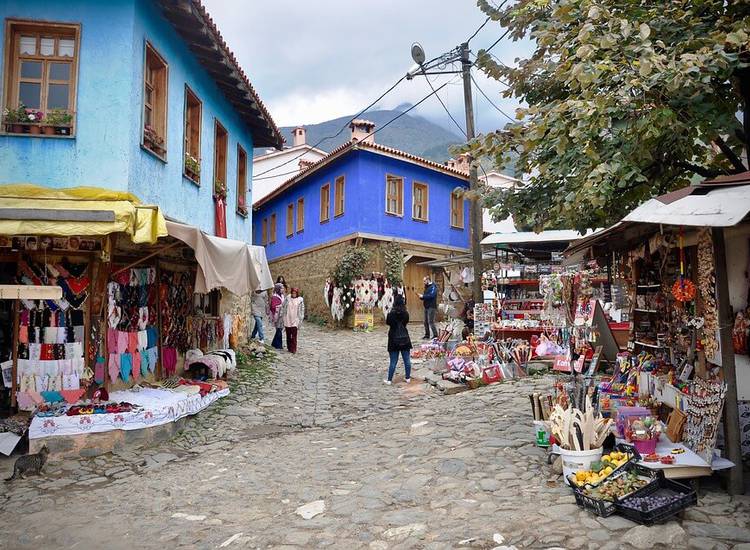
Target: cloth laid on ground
157, 407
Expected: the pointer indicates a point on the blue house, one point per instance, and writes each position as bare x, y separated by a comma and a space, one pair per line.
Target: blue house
141, 96
366, 193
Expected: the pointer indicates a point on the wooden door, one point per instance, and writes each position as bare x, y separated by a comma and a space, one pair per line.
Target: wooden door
413, 283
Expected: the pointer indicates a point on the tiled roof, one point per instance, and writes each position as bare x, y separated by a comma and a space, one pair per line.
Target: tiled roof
355, 145
191, 20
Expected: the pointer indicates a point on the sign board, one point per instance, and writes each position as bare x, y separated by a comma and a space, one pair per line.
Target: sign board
364, 319
30, 292
562, 363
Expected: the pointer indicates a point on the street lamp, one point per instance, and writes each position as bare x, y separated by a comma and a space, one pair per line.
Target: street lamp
460, 53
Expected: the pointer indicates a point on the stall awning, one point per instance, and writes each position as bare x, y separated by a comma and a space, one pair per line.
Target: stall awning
224, 263
27, 209
529, 237
706, 205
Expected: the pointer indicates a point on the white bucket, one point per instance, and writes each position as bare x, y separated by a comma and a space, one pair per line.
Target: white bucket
573, 461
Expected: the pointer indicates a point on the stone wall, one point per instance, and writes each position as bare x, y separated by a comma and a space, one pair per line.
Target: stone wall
309, 272
238, 305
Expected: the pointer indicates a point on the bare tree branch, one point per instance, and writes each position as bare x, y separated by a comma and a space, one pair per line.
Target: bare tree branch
700, 170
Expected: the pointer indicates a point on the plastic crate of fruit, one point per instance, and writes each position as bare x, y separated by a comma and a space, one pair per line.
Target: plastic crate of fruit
657, 502
609, 465
602, 499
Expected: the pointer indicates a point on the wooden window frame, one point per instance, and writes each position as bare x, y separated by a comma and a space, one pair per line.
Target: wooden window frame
425, 204
290, 220
339, 199
12, 65
457, 201
241, 181
300, 214
399, 196
221, 136
325, 213
190, 134
155, 141
272, 230
264, 232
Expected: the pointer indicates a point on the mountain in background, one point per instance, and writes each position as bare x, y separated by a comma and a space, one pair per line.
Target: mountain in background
412, 134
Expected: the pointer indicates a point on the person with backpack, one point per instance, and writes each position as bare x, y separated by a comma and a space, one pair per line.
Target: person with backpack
399, 341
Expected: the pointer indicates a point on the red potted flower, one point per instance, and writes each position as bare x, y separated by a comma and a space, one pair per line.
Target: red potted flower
34, 118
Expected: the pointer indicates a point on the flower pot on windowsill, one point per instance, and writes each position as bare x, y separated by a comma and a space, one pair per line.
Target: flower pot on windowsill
191, 174
16, 128
48, 130
35, 130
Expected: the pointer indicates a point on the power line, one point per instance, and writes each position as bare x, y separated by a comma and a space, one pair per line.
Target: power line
481, 91
316, 144
446, 108
384, 126
476, 32
496, 42
321, 140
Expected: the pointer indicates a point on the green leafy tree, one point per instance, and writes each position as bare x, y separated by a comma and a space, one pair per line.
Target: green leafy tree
625, 100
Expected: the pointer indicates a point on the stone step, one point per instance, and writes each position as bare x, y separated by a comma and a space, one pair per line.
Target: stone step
449, 388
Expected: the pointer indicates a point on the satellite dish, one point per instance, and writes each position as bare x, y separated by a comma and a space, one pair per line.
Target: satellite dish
417, 53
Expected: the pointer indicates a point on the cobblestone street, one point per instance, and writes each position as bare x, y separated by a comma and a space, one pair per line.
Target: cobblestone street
397, 466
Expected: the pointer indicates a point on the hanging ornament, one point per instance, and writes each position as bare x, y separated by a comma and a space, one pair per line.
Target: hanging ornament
683, 289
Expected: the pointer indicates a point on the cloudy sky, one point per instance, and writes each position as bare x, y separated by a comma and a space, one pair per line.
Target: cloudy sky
317, 60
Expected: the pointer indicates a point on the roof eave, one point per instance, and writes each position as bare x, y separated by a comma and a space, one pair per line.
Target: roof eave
191, 21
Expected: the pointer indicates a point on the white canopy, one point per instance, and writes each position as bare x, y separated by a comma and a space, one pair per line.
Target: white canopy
703, 207
520, 237
224, 263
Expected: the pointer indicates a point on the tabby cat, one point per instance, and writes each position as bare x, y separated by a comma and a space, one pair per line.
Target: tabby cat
29, 464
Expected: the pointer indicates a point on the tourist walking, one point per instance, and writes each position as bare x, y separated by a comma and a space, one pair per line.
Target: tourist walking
398, 338
259, 310
429, 299
294, 314
282, 281
277, 318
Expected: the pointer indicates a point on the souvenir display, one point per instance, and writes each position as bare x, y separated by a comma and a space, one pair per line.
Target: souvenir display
52, 334
132, 335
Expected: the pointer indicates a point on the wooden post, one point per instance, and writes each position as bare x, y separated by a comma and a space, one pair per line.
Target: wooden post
158, 371
731, 410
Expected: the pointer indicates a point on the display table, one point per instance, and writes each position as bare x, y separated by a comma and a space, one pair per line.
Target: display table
687, 464
157, 407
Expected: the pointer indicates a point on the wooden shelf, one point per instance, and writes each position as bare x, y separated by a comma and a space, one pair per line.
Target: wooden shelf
655, 346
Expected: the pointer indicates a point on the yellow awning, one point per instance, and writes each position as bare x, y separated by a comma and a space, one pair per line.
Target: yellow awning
27, 209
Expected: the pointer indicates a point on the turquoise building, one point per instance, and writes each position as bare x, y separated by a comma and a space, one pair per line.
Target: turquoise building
141, 96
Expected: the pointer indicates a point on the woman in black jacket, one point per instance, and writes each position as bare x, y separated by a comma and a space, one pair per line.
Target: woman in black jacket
398, 338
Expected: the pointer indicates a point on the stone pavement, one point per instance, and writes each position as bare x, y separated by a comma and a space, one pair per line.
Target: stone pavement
314, 451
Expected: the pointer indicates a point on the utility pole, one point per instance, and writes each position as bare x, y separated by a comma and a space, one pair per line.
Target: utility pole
460, 53
475, 204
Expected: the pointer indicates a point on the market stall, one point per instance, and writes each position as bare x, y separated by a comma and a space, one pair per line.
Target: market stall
132, 307
689, 311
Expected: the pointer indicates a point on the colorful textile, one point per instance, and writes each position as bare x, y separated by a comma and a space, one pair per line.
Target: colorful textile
99, 371
114, 366
126, 366
169, 360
